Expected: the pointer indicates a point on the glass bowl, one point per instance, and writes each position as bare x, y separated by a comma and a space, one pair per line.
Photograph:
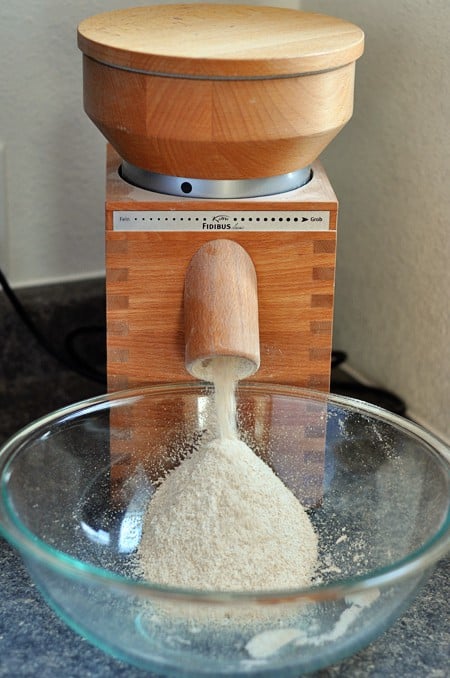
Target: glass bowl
75, 486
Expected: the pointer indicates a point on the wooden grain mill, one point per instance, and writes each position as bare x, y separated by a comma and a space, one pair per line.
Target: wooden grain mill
215, 116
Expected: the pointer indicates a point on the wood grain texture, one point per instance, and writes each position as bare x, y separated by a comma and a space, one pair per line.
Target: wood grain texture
217, 129
221, 308
217, 91
208, 40
145, 313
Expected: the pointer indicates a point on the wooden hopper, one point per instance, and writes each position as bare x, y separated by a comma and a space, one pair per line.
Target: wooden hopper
218, 91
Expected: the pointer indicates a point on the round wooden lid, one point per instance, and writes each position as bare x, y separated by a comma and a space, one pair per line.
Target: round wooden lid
220, 41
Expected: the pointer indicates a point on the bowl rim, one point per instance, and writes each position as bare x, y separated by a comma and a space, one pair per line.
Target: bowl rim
29, 545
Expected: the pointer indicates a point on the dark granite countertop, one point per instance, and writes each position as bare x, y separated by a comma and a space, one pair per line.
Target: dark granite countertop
35, 642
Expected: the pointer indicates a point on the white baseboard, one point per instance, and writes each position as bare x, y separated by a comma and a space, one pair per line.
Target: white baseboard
76, 277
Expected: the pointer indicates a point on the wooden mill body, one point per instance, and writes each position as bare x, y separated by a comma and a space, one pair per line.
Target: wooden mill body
219, 92
146, 266
145, 274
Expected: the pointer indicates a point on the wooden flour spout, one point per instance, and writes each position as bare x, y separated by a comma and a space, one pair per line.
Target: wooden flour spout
221, 308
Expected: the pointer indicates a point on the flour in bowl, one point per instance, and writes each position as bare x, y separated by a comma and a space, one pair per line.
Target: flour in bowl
222, 520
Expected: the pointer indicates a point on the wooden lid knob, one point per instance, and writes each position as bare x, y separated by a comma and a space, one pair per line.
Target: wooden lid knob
221, 309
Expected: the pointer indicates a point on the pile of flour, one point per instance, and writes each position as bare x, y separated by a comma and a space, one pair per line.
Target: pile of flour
222, 520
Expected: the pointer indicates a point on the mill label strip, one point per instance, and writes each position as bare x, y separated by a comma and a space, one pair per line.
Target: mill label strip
195, 220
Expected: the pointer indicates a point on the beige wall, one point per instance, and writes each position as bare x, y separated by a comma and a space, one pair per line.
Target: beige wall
389, 168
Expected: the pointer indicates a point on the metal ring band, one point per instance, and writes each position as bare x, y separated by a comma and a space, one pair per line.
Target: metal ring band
214, 188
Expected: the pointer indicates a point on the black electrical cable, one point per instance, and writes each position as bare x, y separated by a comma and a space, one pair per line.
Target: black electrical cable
70, 346
372, 394
74, 362
337, 358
